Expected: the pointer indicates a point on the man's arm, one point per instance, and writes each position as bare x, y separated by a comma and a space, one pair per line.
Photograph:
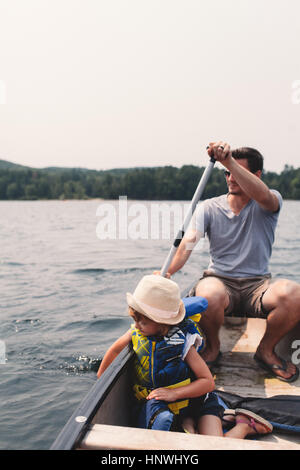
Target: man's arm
250, 183
184, 250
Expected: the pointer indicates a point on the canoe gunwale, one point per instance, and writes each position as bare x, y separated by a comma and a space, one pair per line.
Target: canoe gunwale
75, 429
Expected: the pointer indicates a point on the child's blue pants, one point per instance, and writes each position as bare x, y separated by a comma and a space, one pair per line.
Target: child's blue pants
155, 414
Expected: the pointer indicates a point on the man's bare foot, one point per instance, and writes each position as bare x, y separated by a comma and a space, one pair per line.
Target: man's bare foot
211, 357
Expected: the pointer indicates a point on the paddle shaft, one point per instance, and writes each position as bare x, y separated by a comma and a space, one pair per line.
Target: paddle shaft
198, 193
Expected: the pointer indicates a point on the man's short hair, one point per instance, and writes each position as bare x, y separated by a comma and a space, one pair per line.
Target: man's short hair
254, 158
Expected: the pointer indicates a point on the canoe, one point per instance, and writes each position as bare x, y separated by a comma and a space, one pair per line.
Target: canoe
103, 420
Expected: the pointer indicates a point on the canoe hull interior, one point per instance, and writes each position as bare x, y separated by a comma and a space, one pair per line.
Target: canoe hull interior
116, 408
108, 406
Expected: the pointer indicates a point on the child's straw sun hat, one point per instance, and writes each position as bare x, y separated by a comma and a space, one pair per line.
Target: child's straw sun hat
159, 299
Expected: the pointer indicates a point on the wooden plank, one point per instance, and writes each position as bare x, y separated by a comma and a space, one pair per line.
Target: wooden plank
238, 372
106, 437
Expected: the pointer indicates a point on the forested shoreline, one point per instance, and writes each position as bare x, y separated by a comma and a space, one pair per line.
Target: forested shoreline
158, 183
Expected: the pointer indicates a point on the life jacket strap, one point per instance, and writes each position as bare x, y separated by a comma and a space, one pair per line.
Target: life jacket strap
141, 393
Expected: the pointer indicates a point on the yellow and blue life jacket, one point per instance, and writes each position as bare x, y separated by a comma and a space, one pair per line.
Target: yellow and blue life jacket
158, 360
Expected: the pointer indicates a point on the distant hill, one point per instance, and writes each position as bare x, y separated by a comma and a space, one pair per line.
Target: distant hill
112, 171
21, 182
6, 165
63, 169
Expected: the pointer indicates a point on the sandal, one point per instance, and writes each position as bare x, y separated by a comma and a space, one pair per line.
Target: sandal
228, 423
254, 419
272, 368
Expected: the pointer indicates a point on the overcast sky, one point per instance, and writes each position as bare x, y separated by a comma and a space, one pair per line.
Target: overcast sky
122, 83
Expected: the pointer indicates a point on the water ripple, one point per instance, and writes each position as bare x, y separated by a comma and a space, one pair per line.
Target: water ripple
63, 303
95, 271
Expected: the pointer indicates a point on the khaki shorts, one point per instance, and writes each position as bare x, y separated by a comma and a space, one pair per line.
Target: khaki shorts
245, 294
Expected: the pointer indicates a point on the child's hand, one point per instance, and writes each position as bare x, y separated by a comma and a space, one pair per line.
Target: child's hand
165, 394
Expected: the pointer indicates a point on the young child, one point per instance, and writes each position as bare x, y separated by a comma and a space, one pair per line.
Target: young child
172, 382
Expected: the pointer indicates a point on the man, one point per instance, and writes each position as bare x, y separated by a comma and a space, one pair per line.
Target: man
240, 226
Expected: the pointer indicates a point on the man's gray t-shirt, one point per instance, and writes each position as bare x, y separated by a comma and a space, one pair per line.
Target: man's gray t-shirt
240, 245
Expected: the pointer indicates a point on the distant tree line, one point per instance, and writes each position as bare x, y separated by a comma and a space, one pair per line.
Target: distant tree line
159, 183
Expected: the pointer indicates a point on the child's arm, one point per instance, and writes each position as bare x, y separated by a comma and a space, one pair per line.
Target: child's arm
202, 385
113, 351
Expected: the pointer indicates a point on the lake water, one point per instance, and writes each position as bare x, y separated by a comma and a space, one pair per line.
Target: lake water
63, 300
